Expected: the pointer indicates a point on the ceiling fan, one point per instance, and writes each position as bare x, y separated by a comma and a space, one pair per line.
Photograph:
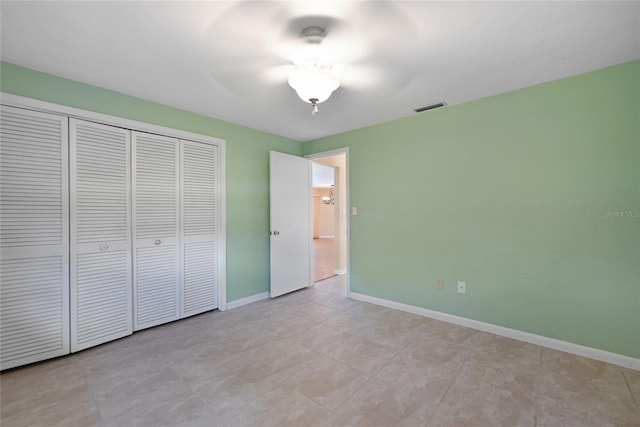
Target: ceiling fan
315, 47
316, 74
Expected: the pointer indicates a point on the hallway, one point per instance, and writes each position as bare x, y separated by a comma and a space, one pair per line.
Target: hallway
323, 258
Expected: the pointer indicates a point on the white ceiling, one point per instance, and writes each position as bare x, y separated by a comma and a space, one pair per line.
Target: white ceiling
228, 59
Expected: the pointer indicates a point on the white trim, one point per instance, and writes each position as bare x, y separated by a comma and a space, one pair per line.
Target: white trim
340, 272
222, 228
326, 237
77, 113
310, 223
37, 105
577, 349
330, 153
247, 300
333, 153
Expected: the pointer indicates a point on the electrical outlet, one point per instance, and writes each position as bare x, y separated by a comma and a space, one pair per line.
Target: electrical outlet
440, 284
462, 287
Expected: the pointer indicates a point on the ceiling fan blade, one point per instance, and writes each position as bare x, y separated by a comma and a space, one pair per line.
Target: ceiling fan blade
277, 74
386, 77
366, 40
245, 58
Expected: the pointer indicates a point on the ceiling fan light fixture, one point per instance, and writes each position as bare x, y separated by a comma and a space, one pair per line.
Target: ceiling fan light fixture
312, 77
313, 83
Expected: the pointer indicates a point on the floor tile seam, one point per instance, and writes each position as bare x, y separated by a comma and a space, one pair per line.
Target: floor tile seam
214, 408
514, 352
568, 410
398, 352
572, 394
52, 405
331, 306
472, 357
326, 293
345, 364
309, 399
318, 320
286, 388
444, 395
293, 372
535, 414
382, 342
197, 396
633, 396
352, 367
500, 387
369, 379
93, 392
187, 383
384, 365
338, 329
315, 302
56, 401
539, 385
324, 353
341, 403
386, 346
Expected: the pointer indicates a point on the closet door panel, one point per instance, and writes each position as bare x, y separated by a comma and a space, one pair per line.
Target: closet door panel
156, 228
199, 227
34, 242
101, 277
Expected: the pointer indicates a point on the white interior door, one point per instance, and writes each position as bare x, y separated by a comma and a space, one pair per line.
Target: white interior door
290, 213
34, 237
199, 236
156, 269
100, 234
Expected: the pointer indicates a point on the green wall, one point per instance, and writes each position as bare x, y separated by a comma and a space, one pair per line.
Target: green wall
512, 195
247, 163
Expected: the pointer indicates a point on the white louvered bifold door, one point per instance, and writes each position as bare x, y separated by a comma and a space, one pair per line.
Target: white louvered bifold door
155, 227
34, 237
101, 280
199, 227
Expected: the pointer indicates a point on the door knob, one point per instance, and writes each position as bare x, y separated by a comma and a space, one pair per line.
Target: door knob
276, 232
157, 242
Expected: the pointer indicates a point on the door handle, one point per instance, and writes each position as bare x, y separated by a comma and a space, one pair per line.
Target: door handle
157, 242
275, 233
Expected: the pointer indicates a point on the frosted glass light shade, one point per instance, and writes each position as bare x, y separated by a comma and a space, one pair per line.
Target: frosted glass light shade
310, 83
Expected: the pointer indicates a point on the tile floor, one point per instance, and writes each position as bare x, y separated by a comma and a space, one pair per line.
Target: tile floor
323, 259
312, 358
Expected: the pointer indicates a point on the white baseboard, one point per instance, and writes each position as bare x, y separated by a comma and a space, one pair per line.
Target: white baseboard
247, 300
326, 237
340, 272
567, 347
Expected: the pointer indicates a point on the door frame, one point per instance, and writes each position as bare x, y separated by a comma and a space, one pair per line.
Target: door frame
332, 153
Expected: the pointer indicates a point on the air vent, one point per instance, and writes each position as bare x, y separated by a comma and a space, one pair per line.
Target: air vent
430, 107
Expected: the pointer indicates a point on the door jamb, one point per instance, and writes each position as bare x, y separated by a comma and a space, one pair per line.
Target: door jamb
333, 153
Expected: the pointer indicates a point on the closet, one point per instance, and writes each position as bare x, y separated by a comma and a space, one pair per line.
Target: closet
105, 230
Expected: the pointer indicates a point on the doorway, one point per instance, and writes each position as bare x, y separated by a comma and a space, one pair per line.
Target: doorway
324, 221
330, 219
